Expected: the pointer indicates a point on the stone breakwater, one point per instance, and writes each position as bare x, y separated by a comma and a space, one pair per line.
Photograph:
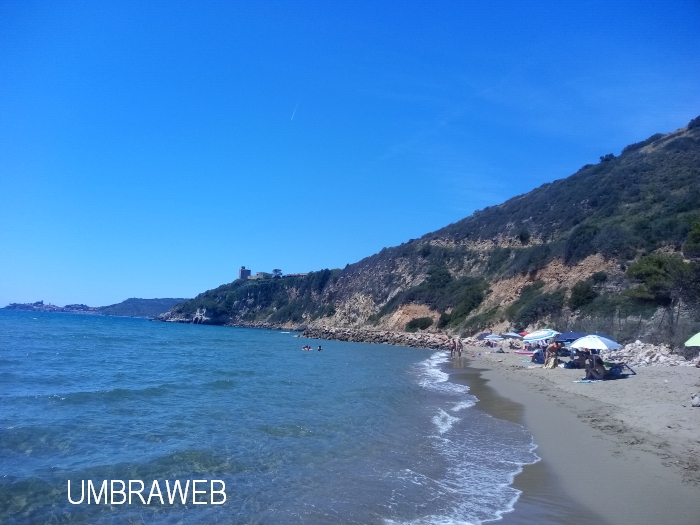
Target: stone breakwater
415, 340
644, 354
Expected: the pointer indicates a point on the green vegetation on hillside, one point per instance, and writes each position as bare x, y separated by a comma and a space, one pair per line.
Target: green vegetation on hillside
534, 304
441, 291
266, 299
140, 307
419, 323
639, 209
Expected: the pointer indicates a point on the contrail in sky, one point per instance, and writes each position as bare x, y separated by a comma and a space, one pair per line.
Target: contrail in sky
295, 110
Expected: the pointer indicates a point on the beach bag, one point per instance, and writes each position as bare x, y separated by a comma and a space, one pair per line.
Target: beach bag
615, 372
552, 362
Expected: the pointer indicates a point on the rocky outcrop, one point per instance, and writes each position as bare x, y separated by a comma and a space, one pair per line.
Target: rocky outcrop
639, 354
415, 340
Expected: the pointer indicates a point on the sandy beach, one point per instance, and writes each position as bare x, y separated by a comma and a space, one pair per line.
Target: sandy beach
616, 452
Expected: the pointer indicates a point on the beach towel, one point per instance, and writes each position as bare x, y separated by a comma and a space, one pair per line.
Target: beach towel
587, 381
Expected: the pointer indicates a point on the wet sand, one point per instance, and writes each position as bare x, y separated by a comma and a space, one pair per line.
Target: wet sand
591, 471
542, 500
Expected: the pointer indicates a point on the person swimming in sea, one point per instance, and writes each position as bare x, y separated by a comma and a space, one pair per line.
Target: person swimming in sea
319, 348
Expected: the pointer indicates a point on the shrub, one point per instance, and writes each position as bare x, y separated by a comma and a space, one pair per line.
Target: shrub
599, 277
482, 320
660, 275
444, 320
691, 247
614, 241
530, 259
524, 236
498, 258
640, 145
580, 245
541, 306
695, 123
581, 294
419, 323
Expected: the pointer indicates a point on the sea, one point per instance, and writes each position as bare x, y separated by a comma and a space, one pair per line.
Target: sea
353, 434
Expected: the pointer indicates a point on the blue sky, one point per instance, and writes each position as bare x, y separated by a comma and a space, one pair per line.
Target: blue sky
149, 149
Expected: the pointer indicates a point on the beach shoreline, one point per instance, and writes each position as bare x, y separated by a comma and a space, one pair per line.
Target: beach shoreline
604, 457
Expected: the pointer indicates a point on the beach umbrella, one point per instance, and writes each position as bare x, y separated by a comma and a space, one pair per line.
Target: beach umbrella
601, 334
523, 333
494, 337
693, 341
540, 335
595, 342
482, 336
569, 336
513, 334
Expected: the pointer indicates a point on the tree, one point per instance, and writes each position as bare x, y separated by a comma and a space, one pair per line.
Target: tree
581, 294
691, 247
276, 273
524, 236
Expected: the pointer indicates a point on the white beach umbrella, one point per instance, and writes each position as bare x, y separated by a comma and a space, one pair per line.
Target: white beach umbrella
513, 334
693, 341
494, 337
540, 335
595, 342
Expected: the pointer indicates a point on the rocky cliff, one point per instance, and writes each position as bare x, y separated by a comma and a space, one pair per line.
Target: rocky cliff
563, 253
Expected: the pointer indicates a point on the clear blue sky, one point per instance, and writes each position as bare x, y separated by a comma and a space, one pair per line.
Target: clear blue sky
148, 149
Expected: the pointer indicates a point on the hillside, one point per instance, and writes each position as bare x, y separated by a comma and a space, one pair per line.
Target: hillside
608, 247
140, 307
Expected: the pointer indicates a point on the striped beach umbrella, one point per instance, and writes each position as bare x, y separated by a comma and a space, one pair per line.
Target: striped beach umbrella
493, 337
540, 335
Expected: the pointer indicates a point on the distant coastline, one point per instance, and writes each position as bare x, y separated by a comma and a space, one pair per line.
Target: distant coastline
133, 307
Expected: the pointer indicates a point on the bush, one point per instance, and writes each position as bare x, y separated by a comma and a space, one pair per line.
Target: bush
695, 123
640, 145
530, 259
691, 247
482, 320
661, 276
444, 320
614, 241
581, 294
580, 245
541, 306
419, 323
599, 277
498, 258
524, 236
533, 305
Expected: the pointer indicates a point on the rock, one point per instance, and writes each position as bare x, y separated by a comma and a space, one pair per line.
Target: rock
695, 400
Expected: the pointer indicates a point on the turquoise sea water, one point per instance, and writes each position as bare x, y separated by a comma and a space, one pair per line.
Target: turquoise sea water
357, 433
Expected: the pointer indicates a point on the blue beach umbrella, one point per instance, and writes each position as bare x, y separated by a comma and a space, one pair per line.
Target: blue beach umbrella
513, 334
494, 337
569, 336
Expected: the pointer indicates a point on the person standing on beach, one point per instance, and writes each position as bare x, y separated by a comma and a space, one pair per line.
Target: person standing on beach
459, 347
